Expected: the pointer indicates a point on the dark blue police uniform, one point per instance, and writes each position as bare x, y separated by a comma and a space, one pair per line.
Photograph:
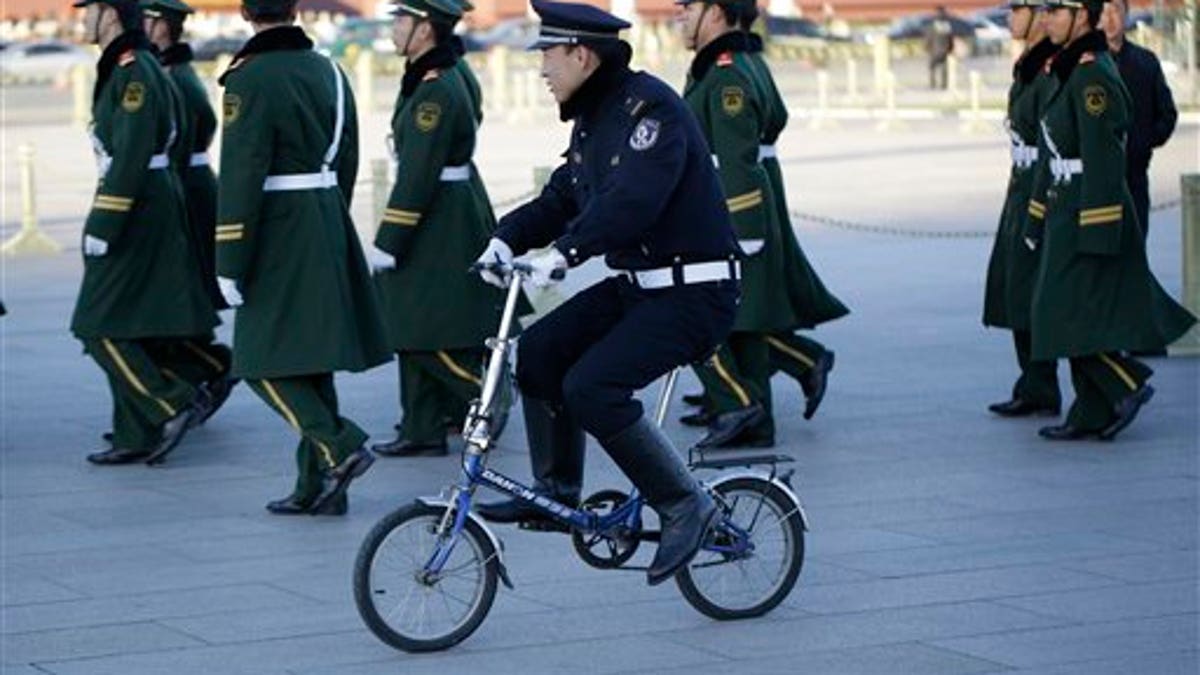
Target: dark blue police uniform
638, 187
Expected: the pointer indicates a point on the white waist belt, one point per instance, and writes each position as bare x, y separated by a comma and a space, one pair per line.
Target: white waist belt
159, 161
454, 174
199, 159
1024, 156
695, 273
765, 151
1063, 169
300, 181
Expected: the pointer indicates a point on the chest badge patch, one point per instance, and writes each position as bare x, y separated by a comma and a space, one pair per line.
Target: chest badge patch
427, 116
645, 135
134, 97
733, 99
231, 107
1095, 100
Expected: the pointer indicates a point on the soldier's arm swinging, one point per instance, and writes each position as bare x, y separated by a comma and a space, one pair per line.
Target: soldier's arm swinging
246, 151
1101, 116
737, 128
347, 168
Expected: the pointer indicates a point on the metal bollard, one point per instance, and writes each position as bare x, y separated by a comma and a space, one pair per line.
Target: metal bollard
851, 81
1189, 183
820, 118
882, 61
952, 77
498, 74
974, 122
81, 95
364, 71
29, 240
891, 121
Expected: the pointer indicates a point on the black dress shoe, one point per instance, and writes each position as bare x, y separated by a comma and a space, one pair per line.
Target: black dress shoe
217, 392
727, 426
814, 382
1126, 411
1064, 432
173, 431
335, 507
700, 418
694, 399
118, 456
294, 505
404, 448
107, 437
335, 481
1021, 408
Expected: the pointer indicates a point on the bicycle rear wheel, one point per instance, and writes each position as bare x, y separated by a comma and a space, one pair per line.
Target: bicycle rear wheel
409, 608
726, 586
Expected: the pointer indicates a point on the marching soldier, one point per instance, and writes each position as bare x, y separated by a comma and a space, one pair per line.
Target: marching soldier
288, 257
1095, 296
637, 187
201, 360
141, 288
437, 219
724, 93
1013, 266
802, 358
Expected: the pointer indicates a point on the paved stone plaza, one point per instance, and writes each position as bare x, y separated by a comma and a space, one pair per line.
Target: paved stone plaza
943, 540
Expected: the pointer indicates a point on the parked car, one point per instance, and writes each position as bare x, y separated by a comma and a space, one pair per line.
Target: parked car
980, 34
511, 33
43, 61
788, 28
210, 49
356, 35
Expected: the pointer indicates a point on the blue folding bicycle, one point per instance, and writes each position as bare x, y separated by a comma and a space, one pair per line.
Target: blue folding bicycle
427, 573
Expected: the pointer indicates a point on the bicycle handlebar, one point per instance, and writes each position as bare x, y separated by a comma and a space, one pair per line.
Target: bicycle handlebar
523, 269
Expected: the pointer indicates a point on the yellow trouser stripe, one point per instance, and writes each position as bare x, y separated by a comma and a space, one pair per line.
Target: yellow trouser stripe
133, 378
1125, 377
722, 373
795, 354
217, 365
459, 371
294, 421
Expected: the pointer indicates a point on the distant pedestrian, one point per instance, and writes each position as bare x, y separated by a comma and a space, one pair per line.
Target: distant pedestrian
939, 44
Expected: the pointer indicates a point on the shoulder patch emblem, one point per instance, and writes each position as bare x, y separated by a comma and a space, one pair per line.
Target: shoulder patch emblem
427, 116
134, 97
645, 134
725, 59
431, 75
1095, 100
733, 99
126, 58
231, 106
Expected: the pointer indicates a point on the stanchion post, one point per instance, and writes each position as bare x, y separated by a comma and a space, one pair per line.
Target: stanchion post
851, 80
1189, 183
29, 240
81, 97
380, 187
364, 71
974, 122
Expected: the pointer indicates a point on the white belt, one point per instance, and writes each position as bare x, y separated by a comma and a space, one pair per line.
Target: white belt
766, 151
1024, 156
455, 174
159, 161
1063, 169
199, 159
300, 181
695, 273
716, 162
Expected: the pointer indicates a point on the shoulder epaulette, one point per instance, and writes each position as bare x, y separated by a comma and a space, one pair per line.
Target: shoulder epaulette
725, 59
1088, 57
431, 75
127, 57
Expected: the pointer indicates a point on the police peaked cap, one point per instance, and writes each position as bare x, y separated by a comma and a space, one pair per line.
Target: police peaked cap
446, 11
1013, 4
573, 23
127, 10
170, 8
1095, 5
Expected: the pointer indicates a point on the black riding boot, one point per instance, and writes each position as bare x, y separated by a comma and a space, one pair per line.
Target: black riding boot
556, 446
685, 510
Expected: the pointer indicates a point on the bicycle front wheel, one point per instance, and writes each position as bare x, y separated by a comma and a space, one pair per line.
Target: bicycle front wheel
726, 586
406, 605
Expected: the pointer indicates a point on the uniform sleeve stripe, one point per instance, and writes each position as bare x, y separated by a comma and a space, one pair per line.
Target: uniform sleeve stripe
115, 200
744, 204
233, 227
104, 206
400, 213
1101, 211
1100, 220
400, 220
229, 236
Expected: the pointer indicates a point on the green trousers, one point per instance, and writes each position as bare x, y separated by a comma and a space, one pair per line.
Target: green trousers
1038, 382
309, 404
436, 386
793, 354
145, 393
739, 375
196, 359
1102, 381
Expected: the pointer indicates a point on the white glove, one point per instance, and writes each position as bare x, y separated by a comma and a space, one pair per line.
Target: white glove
751, 247
229, 291
496, 252
544, 265
380, 260
94, 246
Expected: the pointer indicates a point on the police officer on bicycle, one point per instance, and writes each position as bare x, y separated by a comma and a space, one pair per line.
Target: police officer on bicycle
638, 187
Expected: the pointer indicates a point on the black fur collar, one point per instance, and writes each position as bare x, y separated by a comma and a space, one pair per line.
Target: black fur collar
281, 38
1068, 58
734, 41
130, 39
438, 58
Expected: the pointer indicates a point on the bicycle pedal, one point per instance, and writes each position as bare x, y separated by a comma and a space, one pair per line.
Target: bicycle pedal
543, 526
